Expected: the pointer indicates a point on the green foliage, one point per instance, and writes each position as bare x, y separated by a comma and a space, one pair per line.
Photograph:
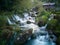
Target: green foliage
40, 7
21, 5
45, 13
3, 42
2, 21
6, 4
43, 16
43, 20
15, 6
52, 24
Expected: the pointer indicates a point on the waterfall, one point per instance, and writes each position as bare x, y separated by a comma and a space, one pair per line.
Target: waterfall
17, 17
42, 39
29, 18
9, 21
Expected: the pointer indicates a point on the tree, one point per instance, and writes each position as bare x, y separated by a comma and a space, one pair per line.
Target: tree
15, 5
6, 5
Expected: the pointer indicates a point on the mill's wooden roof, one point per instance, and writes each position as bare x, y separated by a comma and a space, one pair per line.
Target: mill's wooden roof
49, 4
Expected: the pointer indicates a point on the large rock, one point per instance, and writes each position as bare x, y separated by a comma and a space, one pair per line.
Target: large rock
23, 37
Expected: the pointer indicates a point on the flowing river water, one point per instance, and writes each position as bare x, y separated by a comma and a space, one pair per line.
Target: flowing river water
41, 39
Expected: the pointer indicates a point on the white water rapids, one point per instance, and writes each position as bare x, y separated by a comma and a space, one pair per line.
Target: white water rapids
40, 39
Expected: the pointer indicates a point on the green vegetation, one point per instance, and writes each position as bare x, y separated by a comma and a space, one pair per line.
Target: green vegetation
2, 21
11, 7
43, 18
4, 36
54, 25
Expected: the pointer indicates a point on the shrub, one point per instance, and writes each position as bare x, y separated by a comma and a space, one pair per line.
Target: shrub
52, 24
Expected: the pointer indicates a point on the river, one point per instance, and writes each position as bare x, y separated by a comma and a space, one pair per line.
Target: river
41, 39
